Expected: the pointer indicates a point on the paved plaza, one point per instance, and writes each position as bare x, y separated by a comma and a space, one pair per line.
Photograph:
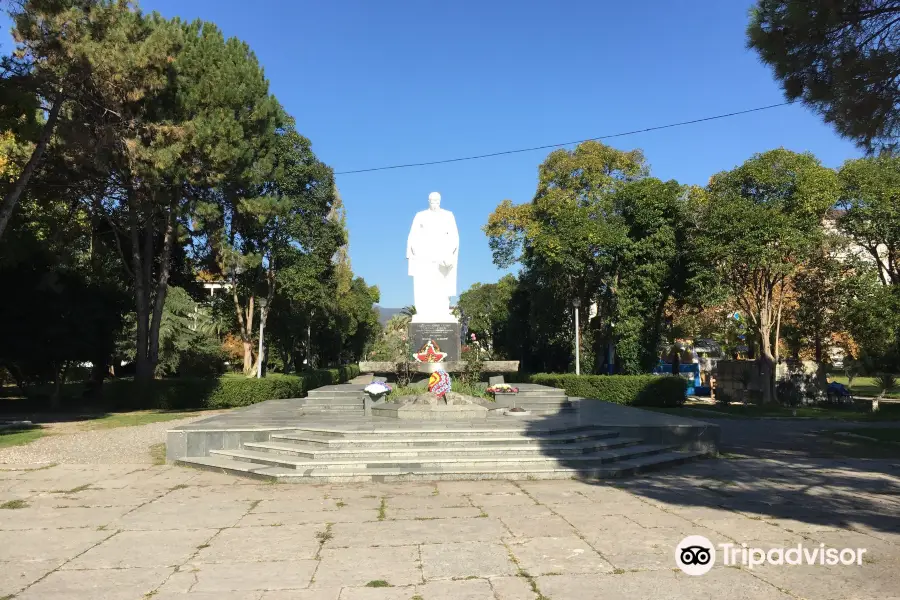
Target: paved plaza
170, 533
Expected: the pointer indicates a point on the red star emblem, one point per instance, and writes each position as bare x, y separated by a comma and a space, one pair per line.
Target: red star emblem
430, 353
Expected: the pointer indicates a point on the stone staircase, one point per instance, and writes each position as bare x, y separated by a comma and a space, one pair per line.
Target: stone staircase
326, 455
345, 398
541, 399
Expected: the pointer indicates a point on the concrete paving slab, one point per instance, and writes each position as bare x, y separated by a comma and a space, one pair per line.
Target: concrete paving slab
208, 596
510, 499
455, 512
403, 533
178, 515
48, 544
358, 566
472, 589
367, 593
466, 559
652, 585
254, 544
344, 515
16, 575
142, 549
107, 584
511, 588
61, 518
299, 505
332, 594
245, 576
404, 503
565, 555
866, 582
535, 526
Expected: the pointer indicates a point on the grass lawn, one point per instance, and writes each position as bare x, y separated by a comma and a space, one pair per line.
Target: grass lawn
158, 454
18, 437
885, 445
69, 424
882, 434
864, 386
737, 411
140, 417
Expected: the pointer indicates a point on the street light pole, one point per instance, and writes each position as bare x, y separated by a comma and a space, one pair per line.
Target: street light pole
262, 324
576, 302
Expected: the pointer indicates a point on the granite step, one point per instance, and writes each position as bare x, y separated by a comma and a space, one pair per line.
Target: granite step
333, 402
488, 463
519, 438
518, 450
622, 468
453, 430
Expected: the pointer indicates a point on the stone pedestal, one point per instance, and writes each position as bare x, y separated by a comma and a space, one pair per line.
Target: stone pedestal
444, 335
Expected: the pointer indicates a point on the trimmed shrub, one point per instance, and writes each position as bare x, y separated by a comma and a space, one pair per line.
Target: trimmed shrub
633, 390
229, 391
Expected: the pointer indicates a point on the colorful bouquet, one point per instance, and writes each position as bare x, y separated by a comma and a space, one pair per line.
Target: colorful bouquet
377, 389
502, 388
439, 383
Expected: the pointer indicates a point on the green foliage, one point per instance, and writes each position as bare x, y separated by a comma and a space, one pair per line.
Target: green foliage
600, 230
870, 194
886, 382
762, 222
220, 392
840, 57
486, 308
474, 366
187, 347
632, 390
872, 316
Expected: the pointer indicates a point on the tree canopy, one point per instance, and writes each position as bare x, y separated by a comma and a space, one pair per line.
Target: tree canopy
839, 57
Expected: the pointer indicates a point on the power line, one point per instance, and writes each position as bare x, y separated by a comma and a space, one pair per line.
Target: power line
545, 147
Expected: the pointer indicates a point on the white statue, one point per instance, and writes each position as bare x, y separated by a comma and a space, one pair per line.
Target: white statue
433, 253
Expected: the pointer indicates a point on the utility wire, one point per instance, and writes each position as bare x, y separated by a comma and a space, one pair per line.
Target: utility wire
602, 137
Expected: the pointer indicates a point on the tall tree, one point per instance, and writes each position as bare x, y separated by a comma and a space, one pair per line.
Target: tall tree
267, 226
870, 196
60, 69
840, 57
486, 306
764, 219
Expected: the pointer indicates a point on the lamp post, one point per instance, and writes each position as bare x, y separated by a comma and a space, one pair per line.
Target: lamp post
576, 302
262, 324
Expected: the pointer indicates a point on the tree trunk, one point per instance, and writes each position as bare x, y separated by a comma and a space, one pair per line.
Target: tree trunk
245, 326
818, 344
143, 369
767, 357
12, 197
162, 284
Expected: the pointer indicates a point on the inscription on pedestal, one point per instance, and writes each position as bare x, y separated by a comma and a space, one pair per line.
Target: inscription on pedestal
444, 335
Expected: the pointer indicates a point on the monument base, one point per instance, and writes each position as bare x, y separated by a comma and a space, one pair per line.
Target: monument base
445, 339
386, 367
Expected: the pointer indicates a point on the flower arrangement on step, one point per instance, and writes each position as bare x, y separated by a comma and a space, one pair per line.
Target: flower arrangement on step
502, 388
377, 390
439, 383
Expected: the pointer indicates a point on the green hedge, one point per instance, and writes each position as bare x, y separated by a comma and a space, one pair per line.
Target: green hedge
633, 390
217, 392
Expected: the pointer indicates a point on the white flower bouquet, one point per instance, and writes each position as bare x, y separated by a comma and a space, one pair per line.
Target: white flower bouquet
377, 389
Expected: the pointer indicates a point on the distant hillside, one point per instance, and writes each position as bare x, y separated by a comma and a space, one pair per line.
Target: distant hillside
385, 314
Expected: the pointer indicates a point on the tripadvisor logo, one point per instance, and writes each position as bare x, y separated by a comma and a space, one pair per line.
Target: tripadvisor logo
696, 555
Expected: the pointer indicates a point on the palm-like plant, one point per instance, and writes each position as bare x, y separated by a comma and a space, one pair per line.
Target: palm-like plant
887, 383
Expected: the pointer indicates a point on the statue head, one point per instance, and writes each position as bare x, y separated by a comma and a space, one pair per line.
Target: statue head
434, 201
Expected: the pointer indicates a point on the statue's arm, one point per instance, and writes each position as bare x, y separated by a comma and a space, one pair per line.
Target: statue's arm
454, 234
410, 251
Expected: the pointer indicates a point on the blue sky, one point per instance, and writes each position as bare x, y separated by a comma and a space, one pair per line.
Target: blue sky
390, 82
